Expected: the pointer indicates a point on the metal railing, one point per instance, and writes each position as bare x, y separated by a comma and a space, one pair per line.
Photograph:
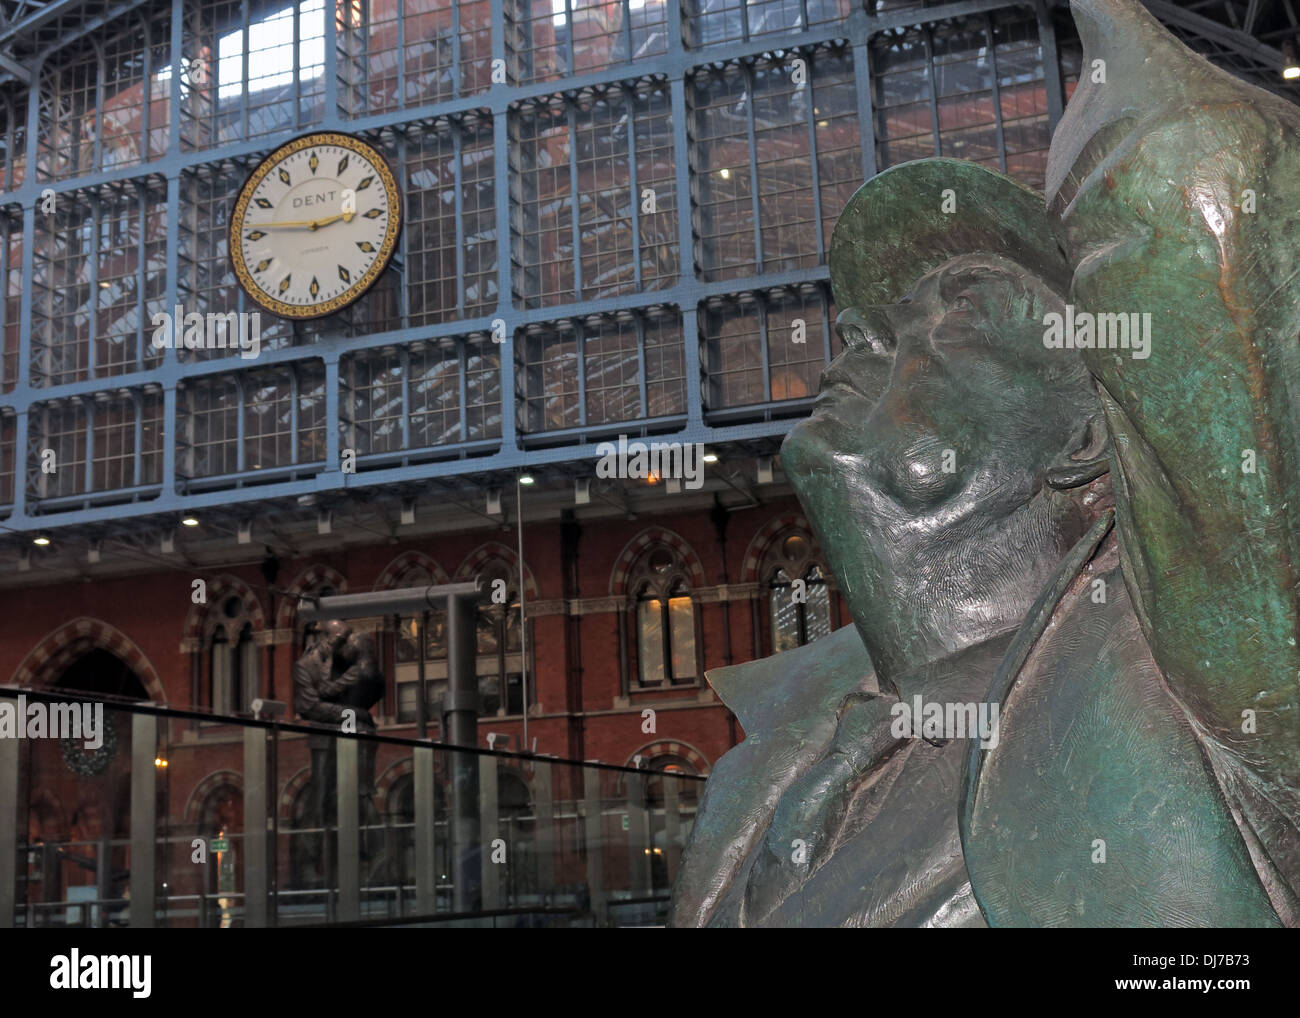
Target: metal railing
294, 825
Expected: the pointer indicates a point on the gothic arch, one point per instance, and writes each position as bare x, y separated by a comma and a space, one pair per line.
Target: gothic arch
291, 790
220, 588
388, 780
393, 572
483, 554
671, 747
635, 548
52, 655
762, 541
309, 579
209, 784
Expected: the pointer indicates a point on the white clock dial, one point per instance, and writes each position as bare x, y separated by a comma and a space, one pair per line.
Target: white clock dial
315, 225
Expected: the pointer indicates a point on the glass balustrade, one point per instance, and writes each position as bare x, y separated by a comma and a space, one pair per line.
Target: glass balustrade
149, 816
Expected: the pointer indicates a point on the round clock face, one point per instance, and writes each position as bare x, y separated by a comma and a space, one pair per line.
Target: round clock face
315, 225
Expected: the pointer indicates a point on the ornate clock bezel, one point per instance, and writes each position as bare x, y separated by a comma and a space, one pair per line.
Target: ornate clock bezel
296, 312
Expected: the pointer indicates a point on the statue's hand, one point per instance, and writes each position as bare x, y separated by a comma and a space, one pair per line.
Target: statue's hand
807, 821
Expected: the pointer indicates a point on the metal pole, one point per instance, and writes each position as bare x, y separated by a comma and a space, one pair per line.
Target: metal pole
523, 616
421, 708
461, 729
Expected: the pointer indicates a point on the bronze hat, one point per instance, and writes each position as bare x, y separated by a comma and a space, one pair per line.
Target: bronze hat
894, 229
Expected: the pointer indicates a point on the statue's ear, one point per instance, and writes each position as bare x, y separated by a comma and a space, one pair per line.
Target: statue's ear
1086, 458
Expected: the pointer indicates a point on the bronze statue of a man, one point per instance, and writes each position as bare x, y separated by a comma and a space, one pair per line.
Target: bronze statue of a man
950, 465
1144, 667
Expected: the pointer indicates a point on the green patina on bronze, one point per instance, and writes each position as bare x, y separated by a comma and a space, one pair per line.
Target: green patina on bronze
1127, 787
1148, 175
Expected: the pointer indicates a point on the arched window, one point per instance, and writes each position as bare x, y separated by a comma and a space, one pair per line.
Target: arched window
799, 604
219, 668
408, 651
499, 661
664, 619
233, 662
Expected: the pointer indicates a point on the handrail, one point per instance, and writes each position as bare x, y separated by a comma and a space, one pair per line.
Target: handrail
304, 727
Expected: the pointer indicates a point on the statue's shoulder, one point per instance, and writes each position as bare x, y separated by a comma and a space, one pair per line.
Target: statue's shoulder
1065, 824
770, 692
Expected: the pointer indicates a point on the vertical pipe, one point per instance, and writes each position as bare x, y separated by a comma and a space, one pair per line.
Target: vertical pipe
461, 729
458, 198
751, 135
1051, 66
523, 612
629, 97
144, 806
997, 91
928, 35
594, 842
421, 698
575, 185
401, 57
866, 112
811, 105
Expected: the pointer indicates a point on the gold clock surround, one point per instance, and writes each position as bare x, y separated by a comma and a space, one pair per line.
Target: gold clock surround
389, 244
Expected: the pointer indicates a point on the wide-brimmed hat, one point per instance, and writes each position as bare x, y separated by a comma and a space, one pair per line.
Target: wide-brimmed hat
895, 229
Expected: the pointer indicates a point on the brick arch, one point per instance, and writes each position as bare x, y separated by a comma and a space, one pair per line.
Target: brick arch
766, 535
219, 588
208, 785
672, 747
639, 545
290, 791
387, 782
308, 580
485, 553
408, 560
50, 657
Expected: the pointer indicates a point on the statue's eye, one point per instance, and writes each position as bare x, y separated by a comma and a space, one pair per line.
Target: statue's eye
962, 302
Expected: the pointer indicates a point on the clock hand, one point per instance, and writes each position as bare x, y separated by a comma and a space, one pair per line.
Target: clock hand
311, 224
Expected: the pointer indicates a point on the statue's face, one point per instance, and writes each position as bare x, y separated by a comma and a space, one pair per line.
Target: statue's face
335, 634
947, 403
941, 415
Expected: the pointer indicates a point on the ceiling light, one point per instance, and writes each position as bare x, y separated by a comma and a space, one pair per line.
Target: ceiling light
189, 520
41, 539
1290, 62
724, 174
525, 478
710, 457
